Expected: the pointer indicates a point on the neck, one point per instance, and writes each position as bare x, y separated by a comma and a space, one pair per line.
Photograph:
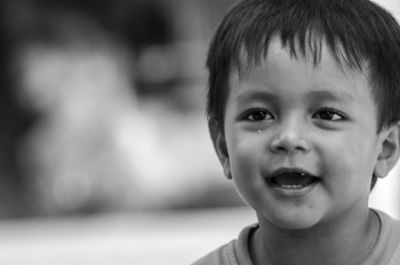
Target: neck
334, 243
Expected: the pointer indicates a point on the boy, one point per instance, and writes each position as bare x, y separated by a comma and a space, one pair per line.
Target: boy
303, 109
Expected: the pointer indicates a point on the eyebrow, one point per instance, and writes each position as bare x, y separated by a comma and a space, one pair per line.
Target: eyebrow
259, 95
330, 95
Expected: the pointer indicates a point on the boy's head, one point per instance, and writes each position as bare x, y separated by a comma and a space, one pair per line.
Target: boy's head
357, 32
360, 36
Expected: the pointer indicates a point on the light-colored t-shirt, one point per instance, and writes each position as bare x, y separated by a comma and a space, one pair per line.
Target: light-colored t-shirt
385, 252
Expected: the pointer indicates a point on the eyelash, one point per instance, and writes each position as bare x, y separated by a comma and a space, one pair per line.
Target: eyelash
332, 113
263, 113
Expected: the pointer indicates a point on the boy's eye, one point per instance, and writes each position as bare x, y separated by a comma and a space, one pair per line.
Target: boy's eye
329, 115
258, 115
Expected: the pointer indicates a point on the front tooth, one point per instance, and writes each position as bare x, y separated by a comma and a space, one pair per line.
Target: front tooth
292, 186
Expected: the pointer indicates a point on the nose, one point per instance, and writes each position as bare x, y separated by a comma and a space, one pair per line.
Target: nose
290, 138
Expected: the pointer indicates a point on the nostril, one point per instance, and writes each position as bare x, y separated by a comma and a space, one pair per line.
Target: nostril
281, 148
300, 148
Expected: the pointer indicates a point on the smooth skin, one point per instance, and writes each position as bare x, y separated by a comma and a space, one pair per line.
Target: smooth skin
288, 113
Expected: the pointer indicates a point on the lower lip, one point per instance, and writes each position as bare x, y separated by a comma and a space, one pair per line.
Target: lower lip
293, 191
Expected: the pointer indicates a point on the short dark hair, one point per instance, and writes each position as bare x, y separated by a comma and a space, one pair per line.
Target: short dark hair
358, 33
355, 31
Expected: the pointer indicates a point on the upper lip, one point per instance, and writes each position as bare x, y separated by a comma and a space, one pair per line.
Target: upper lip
290, 170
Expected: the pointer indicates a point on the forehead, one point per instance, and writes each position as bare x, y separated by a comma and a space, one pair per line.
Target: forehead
295, 72
320, 59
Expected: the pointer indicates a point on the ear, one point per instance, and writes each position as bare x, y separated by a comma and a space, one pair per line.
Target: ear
219, 142
390, 150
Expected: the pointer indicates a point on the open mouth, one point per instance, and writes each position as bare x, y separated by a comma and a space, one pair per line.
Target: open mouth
292, 179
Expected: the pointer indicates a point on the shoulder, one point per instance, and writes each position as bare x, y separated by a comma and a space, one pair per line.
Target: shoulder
393, 226
387, 249
234, 253
223, 255
390, 227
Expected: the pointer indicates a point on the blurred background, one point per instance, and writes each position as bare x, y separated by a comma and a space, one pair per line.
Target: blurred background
105, 155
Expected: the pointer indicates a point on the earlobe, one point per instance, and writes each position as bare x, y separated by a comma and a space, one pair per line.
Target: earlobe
219, 142
390, 150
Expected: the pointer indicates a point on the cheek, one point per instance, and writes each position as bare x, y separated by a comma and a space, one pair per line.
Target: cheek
351, 160
244, 160
244, 157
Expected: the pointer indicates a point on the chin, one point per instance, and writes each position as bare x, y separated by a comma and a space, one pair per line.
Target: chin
291, 220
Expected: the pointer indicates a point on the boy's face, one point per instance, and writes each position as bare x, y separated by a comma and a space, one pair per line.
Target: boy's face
301, 141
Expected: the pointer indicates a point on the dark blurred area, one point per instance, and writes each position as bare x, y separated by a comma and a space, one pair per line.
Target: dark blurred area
102, 107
